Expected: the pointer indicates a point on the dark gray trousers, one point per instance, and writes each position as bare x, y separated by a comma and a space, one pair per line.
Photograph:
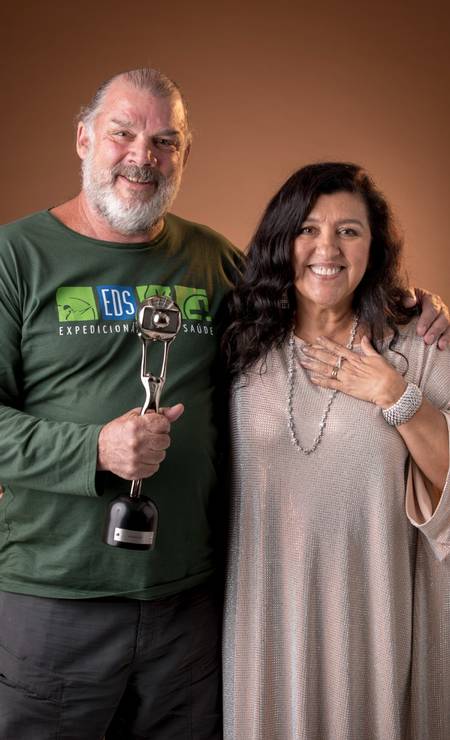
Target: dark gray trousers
123, 670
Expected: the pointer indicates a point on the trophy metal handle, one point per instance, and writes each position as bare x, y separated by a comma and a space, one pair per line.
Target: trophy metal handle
153, 386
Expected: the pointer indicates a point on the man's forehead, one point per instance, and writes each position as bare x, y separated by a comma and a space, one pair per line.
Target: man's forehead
125, 102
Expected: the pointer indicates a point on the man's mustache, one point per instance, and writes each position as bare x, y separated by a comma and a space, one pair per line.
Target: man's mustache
144, 174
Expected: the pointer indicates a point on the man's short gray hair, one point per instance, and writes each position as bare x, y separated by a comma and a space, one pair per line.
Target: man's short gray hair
146, 78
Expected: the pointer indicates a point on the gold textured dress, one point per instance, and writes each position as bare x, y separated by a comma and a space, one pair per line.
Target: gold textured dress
337, 618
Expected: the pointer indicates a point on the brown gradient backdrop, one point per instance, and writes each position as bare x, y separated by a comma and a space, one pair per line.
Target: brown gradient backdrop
270, 87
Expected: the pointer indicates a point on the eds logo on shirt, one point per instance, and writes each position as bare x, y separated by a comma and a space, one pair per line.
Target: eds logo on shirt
117, 303
76, 304
193, 302
116, 306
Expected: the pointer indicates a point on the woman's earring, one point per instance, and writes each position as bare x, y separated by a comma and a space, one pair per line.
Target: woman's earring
284, 300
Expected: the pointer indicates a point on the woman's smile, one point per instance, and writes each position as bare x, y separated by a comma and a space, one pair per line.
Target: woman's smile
331, 252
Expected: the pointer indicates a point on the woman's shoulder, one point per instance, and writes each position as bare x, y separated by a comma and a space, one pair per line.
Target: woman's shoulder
271, 368
409, 341
423, 364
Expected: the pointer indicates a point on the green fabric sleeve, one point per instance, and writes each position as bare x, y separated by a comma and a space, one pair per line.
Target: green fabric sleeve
58, 457
36, 453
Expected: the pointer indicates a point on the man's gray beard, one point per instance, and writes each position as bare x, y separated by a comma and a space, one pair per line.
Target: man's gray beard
136, 215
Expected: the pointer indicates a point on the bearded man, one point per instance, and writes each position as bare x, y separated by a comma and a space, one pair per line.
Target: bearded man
98, 641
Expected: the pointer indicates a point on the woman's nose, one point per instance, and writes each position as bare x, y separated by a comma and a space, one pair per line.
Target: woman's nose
327, 243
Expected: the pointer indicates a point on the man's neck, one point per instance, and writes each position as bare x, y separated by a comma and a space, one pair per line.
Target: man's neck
79, 216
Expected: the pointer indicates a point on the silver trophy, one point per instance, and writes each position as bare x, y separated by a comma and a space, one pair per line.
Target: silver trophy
132, 520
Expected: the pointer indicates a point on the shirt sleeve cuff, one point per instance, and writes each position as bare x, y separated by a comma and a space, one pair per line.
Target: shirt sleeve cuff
434, 525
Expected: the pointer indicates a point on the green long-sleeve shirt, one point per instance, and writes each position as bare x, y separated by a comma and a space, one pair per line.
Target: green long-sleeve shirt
69, 363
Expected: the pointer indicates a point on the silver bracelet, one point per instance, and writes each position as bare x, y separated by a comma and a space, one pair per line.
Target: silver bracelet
405, 408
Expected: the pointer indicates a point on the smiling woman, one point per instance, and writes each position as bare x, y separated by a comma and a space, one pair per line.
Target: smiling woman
330, 253
331, 554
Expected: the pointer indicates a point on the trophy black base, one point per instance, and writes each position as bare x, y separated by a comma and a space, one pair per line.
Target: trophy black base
131, 523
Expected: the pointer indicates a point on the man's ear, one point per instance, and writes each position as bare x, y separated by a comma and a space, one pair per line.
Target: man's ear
186, 154
82, 140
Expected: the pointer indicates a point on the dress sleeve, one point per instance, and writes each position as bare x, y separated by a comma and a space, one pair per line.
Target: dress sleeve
434, 525
35, 453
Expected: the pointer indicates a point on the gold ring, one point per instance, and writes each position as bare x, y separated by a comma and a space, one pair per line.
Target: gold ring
335, 371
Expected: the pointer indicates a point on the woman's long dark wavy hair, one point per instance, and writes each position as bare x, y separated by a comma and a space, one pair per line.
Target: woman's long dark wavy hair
260, 318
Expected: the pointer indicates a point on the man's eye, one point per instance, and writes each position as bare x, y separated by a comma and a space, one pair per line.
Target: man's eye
166, 143
121, 134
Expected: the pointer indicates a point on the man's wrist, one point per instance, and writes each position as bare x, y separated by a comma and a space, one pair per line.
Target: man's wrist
101, 466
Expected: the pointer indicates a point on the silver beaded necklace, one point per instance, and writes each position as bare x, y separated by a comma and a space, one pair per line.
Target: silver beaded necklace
291, 379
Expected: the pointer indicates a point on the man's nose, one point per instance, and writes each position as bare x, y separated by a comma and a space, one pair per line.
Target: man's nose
141, 154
